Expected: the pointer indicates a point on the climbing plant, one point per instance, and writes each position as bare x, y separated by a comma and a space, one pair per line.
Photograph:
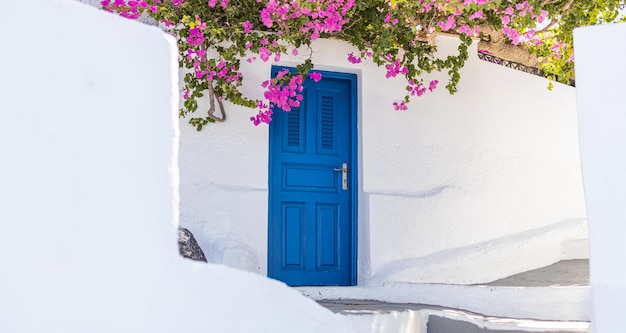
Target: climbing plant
215, 36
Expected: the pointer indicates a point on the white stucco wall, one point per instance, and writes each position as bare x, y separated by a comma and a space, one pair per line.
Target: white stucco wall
89, 189
600, 79
496, 160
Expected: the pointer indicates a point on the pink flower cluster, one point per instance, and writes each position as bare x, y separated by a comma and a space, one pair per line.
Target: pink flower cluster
400, 106
283, 96
196, 37
319, 16
315, 76
455, 10
357, 60
521, 9
316, 17
561, 49
418, 89
354, 59
448, 24
468, 30
131, 9
265, 50
395, 68
264, 116
204, 70
390, 19
415, 89
223, 3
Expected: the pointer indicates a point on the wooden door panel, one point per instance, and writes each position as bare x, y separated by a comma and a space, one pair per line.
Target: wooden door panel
310, 213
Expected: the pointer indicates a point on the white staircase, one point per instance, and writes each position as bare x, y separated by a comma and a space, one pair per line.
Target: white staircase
552, 299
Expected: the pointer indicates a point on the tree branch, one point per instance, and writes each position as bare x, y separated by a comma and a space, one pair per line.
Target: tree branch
550, 25
548, 2
211, 112
567, 5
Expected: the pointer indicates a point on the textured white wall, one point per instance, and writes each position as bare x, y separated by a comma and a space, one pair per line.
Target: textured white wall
88, 195
600, 82
497, 159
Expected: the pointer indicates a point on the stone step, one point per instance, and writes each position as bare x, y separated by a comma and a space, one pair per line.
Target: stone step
559, 292
380, 317
539, 303
565, 273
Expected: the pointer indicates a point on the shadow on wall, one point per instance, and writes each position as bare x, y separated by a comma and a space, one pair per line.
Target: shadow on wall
465, 265
230, 251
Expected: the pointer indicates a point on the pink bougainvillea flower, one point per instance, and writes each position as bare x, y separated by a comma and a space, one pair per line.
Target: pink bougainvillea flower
315, 76
477, 15
264, 54
264, 116
195, 36
433, 85
247, 26
447, 25
401, 106
521, 5
282, 73
542, 16
465, 30
353, 59
395, 69
167, 23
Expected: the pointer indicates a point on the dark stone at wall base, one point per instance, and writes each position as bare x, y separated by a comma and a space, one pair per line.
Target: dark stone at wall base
188, 247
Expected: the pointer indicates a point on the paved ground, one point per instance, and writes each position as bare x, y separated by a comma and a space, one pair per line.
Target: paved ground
563, 273
444, 325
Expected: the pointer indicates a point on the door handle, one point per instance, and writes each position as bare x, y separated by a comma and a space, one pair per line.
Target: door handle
344, 176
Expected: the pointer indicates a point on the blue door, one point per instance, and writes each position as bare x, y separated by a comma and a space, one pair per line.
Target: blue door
312, 185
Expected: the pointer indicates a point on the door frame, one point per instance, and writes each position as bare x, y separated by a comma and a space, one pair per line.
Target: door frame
353, 180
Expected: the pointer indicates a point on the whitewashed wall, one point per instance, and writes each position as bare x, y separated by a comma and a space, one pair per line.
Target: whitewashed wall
88, 189
498, 161
600, 77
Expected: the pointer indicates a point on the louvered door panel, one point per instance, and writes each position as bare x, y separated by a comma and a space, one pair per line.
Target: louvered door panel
293, 140
327, 122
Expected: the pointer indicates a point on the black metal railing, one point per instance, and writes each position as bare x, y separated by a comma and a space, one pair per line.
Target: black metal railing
514, 65
510, 64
